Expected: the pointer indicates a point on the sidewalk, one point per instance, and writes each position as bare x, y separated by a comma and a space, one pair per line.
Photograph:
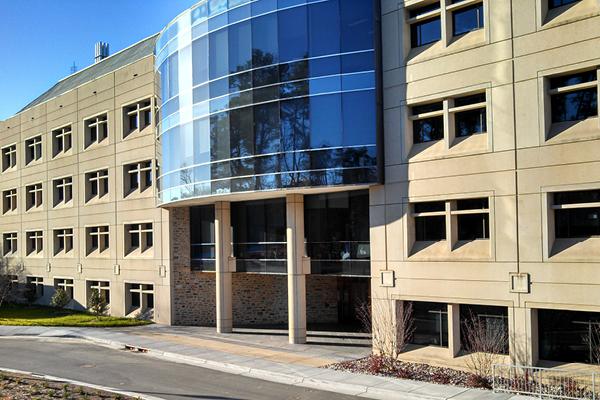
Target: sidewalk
266, 357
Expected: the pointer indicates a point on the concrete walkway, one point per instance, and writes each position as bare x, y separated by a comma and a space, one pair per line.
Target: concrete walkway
265, 356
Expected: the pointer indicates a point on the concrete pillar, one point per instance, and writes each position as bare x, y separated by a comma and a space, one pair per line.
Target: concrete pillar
296, 269
223, 269
453, 329
523, 336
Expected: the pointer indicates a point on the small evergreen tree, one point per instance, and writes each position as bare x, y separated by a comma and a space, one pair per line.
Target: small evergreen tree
97, 304
60, 298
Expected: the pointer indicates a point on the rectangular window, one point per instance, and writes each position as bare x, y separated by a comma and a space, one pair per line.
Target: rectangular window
9, 157
473, 219
137, 117
36, 283
559, 3
35, 242
97, 240
430, 221
574, 97
63, 241
96, 184
428, 122
65, 284
33, 149
137, 177
569, 336
61, 140
138, 237
33, 195
430, 324
9, 200
96, 130
63, 191
102, 287
470, 115
488, 323
577, 214
467, 19
9, 243
202, 234
141, 297
425, 25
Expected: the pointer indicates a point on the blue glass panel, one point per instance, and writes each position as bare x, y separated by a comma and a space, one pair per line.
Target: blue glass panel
422, 33
467, 19
263, 6
326, 124
325, 66
241, 132
559, 3
217, 22
324, 28
295, 124
358, 62
267, 136
219, 104
169, 77
219, 136
217, 6
289, 3
200, 29
201, 93
240, 47
234, 3
200, 60
358, 81
356, 25
218, 57
293, 35
240, 13
200, 12
359, 117
219, 87
264, 40
202, 141
327, 84
170, 107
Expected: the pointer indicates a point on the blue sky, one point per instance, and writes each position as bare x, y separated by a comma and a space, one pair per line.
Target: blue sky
42, 38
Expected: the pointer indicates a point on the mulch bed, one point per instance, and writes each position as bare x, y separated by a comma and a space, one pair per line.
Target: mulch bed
381, 366
23, 387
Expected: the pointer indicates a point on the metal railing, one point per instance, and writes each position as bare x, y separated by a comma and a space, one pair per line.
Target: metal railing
546, 383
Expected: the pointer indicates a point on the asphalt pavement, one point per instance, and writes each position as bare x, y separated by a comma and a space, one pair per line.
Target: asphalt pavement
136, 372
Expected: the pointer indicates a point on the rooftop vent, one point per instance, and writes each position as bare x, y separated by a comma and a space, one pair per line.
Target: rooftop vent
102, 51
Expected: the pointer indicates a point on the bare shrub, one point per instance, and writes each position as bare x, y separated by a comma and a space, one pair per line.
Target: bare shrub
486, 343
592, 340
390, 330
97, 304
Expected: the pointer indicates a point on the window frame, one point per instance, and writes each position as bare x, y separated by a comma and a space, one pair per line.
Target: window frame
138, 109
64, 184
143, 290
10, 201
12, 239
38, 283
102, 286
144, 231
141, 169
96, 178
68, 238
34, 197
62, 140
67, 284
9, 152
35, 145
97, 121
102, 249
37, 238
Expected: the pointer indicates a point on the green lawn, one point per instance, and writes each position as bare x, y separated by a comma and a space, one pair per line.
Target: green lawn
47, 316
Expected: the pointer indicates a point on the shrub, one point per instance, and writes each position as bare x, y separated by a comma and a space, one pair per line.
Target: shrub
97, 304
60, 299
30, 293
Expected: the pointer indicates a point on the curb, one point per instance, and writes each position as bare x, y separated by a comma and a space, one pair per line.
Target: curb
83, 384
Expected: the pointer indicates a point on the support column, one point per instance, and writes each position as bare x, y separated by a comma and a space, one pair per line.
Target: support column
223, 267
296, 269
453, 329
523, 336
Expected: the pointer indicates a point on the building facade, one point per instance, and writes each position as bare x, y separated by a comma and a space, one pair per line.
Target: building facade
285, 163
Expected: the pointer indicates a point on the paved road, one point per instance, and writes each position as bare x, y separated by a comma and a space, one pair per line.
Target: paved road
142, 374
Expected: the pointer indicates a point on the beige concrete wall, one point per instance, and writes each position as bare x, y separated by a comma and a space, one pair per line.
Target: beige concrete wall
515, 164
107, 94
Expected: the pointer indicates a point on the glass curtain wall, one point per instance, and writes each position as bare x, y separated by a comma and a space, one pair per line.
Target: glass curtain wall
202, 235
265, 95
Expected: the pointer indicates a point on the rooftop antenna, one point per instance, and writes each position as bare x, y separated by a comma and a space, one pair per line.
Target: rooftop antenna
73, 68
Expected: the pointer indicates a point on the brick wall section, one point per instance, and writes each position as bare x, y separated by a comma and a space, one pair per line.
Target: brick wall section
321, 299
259, 299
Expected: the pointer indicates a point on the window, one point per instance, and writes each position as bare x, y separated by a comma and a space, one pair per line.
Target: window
96, 130
425, 25
138, 237
259, 238
467, 19
35, 242
33, 149
568, 336
137, 177
430, 324
472, 219
61, 140
140, 296
577, 214
202, 234
337, 233
559, 3
492, 320
63, 241
63, 191
9, 243
96, 184
9, 157
428, 122
137, 117
574, 97
36, 283
102, 287
9, 200
430, 221
65, 284
33, 195
470, 116
97, 240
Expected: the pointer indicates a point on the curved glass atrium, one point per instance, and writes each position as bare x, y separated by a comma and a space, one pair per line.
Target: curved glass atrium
267, 94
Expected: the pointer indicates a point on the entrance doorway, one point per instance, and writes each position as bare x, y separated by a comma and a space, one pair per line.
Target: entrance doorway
353, 293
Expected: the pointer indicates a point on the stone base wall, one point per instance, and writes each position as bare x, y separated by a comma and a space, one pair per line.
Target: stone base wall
321, 299
259, 299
